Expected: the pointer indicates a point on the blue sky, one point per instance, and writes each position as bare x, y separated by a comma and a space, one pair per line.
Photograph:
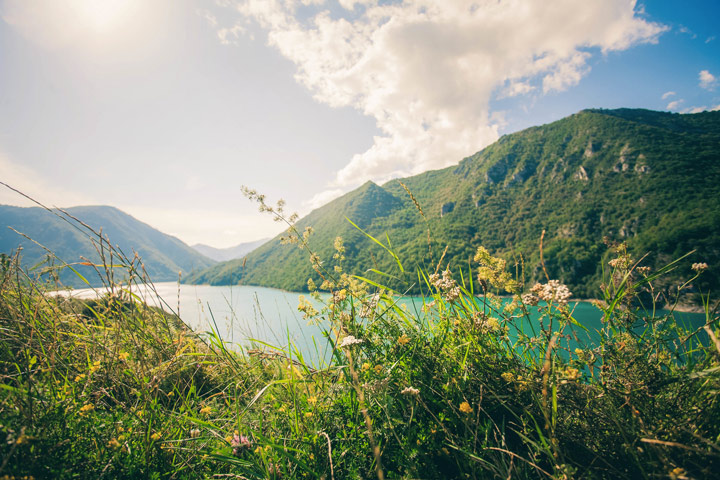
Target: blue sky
164, 109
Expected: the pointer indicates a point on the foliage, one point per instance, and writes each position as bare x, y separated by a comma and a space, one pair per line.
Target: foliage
650, 179
455, 389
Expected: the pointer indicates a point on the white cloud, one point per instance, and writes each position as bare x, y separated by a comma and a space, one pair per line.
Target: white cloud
708, 81
425, 70
322, 198
702, 109
674, 104
515, 88
667, 95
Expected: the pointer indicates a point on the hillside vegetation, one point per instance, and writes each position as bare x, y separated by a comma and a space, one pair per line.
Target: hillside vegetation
650, 179
464, 387
163, 256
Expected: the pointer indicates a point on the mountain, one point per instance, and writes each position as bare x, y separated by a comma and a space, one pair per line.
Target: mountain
163, 255
651, 179
230, 253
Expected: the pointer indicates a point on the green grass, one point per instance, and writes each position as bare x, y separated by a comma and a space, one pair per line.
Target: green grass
112, 388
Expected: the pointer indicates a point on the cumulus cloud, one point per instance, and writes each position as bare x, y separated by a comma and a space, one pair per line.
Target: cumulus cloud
674, 104
426, 70
708, 81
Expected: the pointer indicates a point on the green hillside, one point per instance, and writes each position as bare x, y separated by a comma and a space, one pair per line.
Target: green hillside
162, 255
651, 179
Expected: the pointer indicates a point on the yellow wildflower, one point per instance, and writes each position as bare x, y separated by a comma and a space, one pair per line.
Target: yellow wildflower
206, 410
378, 369
312, 400
86, 408
366, 366
123, 356
156, 436
404, 339
308, 414
113, 443
95, 367
80, 377
465, 407
508, 377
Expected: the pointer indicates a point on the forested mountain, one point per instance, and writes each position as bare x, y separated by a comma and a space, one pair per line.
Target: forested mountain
163, 256
651, 179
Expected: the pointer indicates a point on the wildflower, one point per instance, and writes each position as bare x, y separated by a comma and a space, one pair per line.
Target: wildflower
156, 436
308, 414
85, 409
312, 400
366, 366
428, 306
465, 407
378, 369
205, 410
240, 443
95, 367
80, 377
508, 377
553, 291
195, 433
676, 473
404, 339
446, 285
339, 296
643, 271
571, 374
123, 356
699, 267
113, 443
530, 299
306, 308
492, 270
410, 391
350, 340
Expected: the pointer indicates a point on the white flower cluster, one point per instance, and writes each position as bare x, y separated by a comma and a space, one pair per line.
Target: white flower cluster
551, 292
410, 391
446, 284
699, 267
350, 340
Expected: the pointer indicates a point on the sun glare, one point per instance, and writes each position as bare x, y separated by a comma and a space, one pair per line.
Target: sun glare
102, 16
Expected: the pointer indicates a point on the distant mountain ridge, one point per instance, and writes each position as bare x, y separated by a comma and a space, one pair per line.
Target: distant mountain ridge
649, 178
163, 256
230, 253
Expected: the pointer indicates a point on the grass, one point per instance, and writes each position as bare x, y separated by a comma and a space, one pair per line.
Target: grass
113, 388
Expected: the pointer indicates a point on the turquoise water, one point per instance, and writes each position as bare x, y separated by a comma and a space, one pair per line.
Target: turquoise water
246, 315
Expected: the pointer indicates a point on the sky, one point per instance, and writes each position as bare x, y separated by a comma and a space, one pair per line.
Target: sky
166, 108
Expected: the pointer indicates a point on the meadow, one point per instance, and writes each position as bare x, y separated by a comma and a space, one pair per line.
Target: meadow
114, 388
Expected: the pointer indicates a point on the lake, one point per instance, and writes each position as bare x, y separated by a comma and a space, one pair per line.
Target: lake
248, 315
